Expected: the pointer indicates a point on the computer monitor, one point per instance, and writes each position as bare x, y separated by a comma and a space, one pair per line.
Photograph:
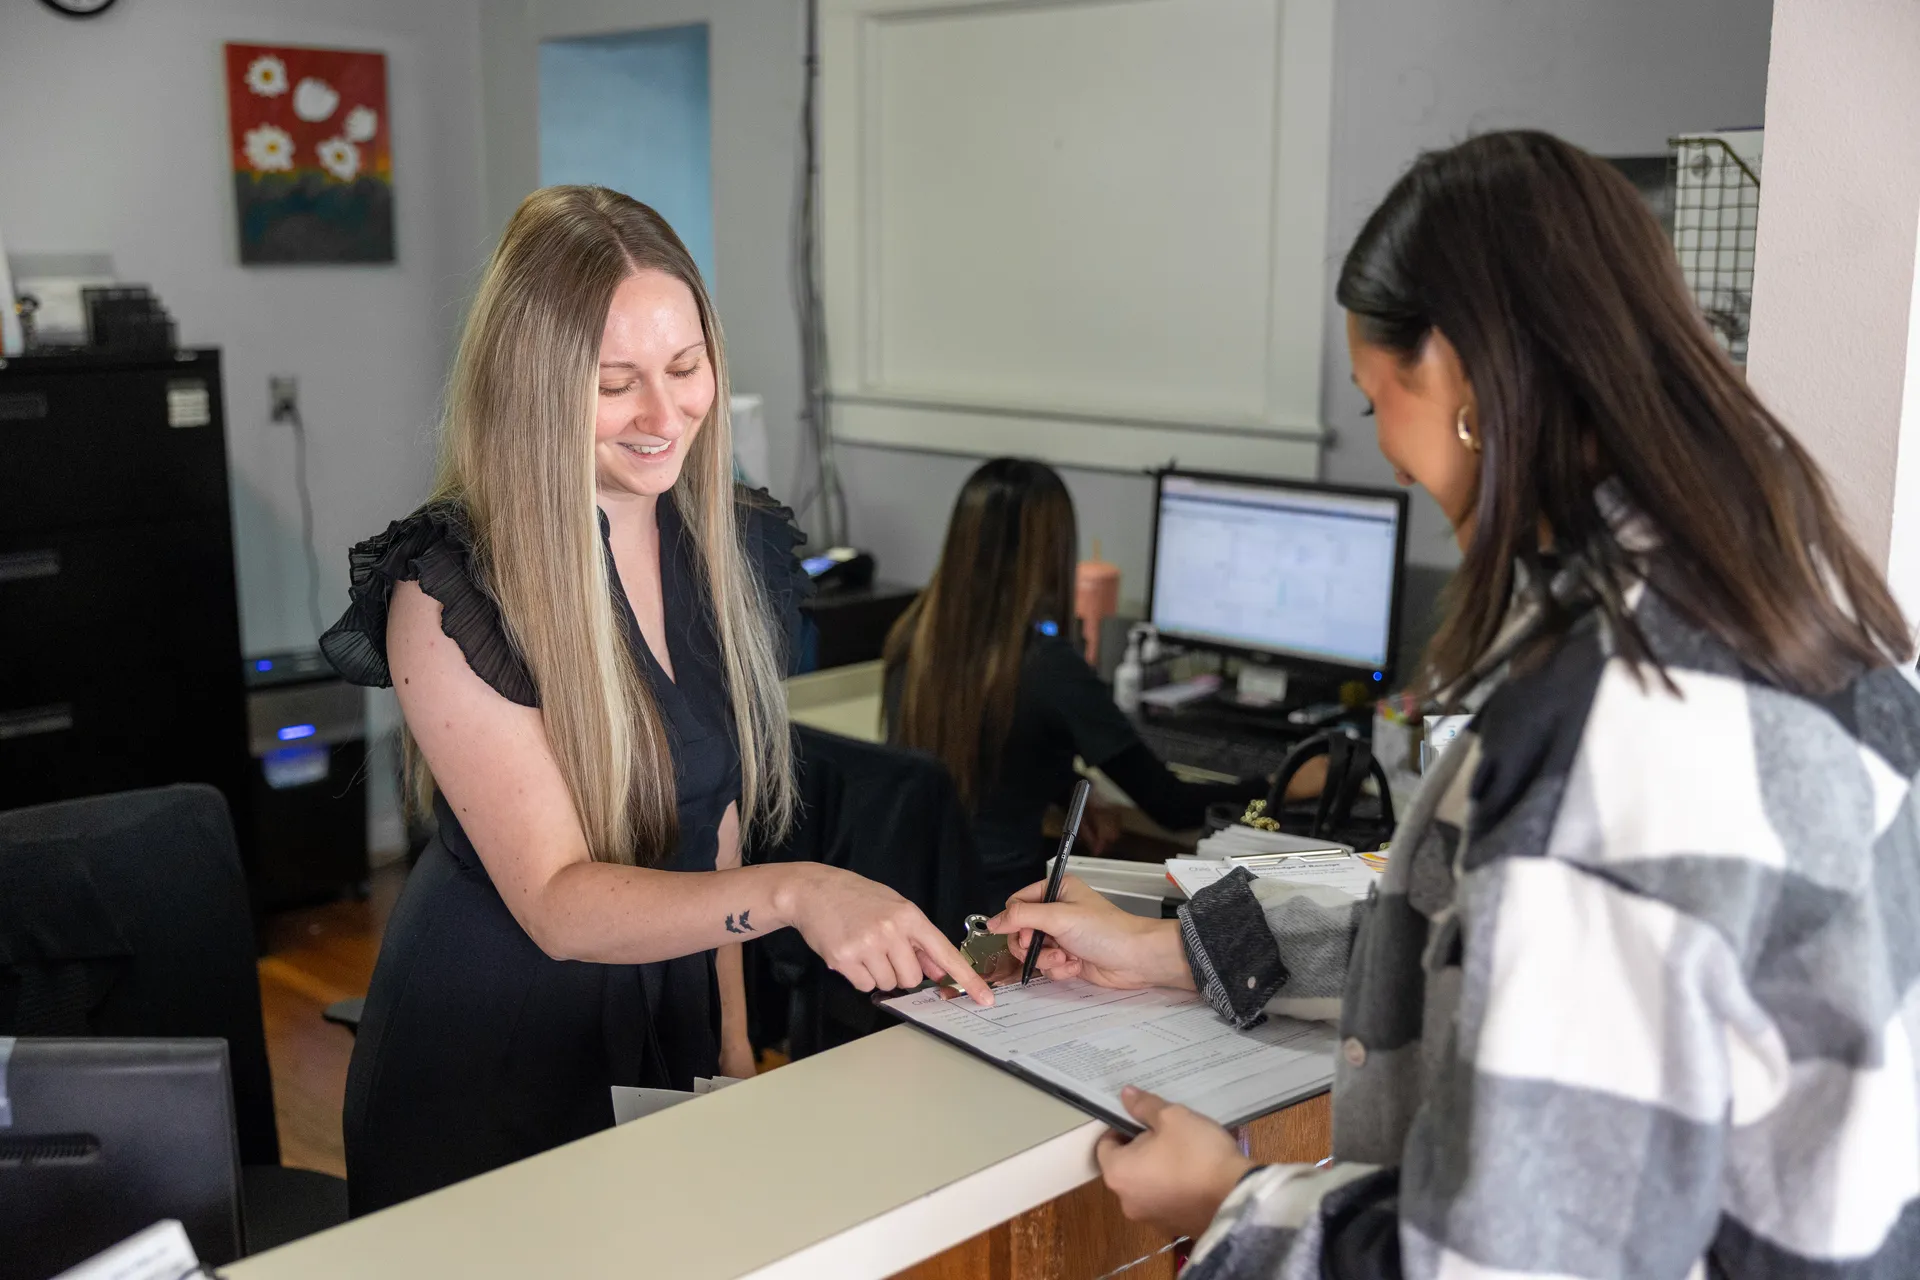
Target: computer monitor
108, 1137
1304, 575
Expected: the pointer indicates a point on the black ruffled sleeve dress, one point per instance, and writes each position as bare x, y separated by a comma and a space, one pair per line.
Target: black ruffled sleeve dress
476, 1048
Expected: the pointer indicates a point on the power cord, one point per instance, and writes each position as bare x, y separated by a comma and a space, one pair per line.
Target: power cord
286, 409
816, 411
1168, 1247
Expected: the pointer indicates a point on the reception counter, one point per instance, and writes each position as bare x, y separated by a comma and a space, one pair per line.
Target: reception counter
894, 1155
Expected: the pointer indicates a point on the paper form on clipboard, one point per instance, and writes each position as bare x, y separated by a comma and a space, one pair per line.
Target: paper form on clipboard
1083, 1043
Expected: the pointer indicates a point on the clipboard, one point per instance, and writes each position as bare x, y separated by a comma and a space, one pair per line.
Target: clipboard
1118, 1119
1171, 1043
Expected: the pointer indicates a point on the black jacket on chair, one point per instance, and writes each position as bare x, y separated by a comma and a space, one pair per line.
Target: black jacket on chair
127, 915
892, 816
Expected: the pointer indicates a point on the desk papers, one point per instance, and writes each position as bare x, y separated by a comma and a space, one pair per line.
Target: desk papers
1082, 1043
161, 1252
1345, 873
1239, 841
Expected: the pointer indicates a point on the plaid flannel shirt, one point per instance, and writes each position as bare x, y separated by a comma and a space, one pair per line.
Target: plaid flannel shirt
1636, 996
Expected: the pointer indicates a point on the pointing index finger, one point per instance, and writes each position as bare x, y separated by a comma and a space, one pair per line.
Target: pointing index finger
948, 957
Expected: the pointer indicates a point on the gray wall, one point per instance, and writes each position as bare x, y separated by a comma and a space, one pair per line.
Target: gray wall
114, 139
1618, 76
137, 167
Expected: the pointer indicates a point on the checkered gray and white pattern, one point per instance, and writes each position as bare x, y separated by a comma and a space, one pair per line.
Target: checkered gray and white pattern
1636, 997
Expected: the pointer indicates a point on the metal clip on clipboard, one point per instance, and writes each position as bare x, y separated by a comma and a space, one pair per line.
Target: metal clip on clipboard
989, 953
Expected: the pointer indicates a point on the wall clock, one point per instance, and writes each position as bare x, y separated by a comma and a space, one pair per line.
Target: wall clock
78, 8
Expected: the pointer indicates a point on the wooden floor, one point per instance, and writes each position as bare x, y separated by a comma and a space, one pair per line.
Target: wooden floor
315, 956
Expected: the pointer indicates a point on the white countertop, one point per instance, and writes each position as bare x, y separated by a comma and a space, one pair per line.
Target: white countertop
842, 700
854, 1163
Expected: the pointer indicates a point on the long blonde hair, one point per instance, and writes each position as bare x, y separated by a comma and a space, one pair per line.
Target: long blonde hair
517, 457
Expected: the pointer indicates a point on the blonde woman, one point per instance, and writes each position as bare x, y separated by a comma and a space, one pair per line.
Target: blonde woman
586, 626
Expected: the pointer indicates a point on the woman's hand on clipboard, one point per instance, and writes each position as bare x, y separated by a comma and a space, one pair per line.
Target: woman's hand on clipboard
875, 938
1088, 937
1177, 1173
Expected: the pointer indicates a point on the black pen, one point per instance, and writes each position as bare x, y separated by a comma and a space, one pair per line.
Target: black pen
1076, 809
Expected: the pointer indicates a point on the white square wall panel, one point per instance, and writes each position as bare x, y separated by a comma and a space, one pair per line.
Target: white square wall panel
1095, 227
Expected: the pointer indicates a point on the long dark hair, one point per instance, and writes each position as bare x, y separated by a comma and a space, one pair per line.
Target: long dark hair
955, 655
1590, 363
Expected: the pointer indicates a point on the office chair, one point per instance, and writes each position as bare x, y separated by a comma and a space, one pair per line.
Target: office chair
127, 915
888, 814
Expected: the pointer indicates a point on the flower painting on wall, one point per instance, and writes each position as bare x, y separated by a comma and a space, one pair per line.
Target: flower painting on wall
312, 155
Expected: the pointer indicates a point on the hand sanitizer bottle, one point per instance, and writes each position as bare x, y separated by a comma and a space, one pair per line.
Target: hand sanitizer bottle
1126, 677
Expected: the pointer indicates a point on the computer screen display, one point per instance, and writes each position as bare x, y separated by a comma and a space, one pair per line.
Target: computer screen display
1293, 570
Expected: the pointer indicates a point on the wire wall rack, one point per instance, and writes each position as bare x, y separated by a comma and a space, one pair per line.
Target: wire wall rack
1713, 184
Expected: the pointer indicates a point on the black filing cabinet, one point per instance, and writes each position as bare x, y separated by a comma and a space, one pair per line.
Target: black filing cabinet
119, 622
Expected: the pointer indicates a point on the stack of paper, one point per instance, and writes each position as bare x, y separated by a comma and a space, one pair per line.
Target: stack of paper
1340, 870
1250, 843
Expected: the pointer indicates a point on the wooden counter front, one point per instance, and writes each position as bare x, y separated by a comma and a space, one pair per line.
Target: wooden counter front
1082, 1234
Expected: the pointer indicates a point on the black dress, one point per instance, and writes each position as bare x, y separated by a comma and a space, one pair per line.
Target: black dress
477, 1049
1062, 710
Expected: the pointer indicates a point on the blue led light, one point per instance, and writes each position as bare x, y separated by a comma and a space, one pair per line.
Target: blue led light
263, 664
292, 731
1378, 676
1047, 628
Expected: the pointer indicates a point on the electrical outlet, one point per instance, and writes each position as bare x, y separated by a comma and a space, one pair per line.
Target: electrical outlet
283, 397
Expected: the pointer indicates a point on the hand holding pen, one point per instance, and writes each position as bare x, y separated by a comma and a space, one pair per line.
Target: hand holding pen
1076, 810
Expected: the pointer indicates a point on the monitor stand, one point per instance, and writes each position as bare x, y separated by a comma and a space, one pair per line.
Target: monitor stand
1261, 698
1258, 684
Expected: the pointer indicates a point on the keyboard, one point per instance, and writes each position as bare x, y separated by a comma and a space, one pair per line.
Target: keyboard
1227, 754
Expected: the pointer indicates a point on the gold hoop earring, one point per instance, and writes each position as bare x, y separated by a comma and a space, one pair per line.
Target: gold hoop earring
1465, 432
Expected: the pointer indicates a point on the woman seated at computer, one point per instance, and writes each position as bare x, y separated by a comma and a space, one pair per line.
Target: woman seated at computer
586, 626
982, 672
1635, 996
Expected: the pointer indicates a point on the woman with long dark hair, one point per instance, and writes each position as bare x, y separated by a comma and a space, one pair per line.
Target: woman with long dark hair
1637, 993
982, 672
